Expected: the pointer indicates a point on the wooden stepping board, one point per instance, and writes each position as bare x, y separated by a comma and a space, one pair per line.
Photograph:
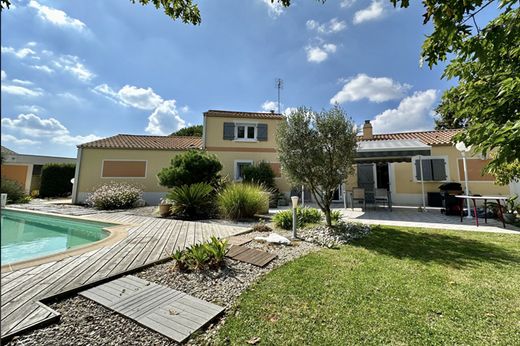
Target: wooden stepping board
169, 312
239, 240
252, 256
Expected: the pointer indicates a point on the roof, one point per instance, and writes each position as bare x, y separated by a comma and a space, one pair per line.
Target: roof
7, 151
440, 137
124, 141
391, 145
236, 114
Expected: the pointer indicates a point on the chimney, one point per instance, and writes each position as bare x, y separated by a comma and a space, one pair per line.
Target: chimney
272, 111
367, 130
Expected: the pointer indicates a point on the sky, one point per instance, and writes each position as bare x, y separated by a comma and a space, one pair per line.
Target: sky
76, 71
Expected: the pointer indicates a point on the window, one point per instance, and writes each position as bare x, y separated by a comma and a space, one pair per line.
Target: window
123, 169
37, 170
239, 168
433, 168
245, 132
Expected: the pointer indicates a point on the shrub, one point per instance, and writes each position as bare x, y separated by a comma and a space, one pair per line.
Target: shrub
56, 179
261, 174
305, 216
114, 196
191, 167
193, 201
14, 191
201, 256
336, 215
261, 227
242, 201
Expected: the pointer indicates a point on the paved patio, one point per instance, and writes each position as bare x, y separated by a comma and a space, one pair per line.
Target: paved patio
149, 240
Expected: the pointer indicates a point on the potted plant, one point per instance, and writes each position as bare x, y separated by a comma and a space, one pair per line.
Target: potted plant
165, 207
510, 209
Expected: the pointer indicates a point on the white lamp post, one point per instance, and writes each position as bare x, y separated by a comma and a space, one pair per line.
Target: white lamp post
463, 150
294, 200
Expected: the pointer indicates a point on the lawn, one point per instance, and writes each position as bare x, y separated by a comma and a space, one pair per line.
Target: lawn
397, 286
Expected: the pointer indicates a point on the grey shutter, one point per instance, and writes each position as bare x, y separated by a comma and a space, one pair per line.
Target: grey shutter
229, 131
439, 169
261, 132
427, 169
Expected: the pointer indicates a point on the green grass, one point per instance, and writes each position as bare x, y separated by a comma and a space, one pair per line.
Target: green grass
398, 286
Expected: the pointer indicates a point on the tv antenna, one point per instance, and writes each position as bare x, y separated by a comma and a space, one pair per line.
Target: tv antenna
279, 86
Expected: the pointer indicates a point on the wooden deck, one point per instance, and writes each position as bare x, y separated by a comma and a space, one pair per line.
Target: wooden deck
149, 240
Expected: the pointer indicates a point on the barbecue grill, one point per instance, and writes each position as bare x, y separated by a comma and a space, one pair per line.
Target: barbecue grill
451, 205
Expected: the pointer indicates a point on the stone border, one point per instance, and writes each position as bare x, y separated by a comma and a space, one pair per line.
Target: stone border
116, 233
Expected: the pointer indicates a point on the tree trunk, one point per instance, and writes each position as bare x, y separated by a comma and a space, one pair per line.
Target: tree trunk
328, 219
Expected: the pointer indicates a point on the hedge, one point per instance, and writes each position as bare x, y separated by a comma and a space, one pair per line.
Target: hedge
56, 179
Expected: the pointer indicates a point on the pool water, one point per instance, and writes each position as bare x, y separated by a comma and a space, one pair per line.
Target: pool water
26, 235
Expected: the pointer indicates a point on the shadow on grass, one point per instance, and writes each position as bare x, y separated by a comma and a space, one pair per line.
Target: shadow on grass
449, 250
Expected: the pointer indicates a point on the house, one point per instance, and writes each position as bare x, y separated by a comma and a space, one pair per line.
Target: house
26, 170
240, 139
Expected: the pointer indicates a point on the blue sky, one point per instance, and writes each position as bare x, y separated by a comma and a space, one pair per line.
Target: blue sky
75, 71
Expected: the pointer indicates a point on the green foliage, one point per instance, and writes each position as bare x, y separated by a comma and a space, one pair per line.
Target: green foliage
242, 201
184, 10
317, 149
191, 167
15, 192
195, 131
201, 256
304, 215
192, 201
56, 179
336, 215
115, 196
261, 174
506, 173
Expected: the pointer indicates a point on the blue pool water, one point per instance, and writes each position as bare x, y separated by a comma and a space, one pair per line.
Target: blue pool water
28, 235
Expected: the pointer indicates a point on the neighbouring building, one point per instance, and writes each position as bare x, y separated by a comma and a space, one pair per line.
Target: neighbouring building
26, 170
239, 139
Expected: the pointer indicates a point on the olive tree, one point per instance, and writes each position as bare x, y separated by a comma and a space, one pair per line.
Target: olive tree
316, 149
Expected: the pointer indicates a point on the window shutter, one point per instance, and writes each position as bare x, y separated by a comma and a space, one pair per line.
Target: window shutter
439, 169
261, 133
427, 169
229, 131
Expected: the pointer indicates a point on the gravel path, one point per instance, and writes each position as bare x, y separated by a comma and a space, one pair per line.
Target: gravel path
86, 323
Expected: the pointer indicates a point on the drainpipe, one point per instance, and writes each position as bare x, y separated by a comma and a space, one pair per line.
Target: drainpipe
76, 177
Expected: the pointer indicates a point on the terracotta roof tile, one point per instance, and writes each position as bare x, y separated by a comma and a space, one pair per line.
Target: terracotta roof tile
124, 141
234, 114
441, 137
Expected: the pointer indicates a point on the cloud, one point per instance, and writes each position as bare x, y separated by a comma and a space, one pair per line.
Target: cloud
72, 64
268, 106
20, 53
57, 17
289, 110
372, 12
43, 68
74, 140
318, 54
4, 75
18, 141
20, 90
332, 26
347, 3
22, 82
70, 96
274, 8
375, 89
414, 113
165, 119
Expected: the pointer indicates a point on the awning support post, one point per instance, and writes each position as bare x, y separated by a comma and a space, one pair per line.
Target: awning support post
422, 183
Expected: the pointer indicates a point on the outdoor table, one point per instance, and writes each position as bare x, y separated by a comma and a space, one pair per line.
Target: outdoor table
485, 198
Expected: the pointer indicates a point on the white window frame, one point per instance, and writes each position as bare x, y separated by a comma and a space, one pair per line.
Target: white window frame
447, 166
235, 173
108, 178
246, 125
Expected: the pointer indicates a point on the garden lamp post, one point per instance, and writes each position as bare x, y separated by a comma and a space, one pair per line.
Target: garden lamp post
294, 200
463, 150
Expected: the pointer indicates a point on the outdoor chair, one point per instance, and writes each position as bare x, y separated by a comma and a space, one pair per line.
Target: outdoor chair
381, 196
358, 194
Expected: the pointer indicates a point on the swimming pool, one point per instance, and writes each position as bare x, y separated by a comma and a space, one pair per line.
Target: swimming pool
26, 236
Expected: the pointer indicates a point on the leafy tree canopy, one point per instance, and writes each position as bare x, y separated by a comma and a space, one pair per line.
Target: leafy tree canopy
317, 149
195, 130
191, 167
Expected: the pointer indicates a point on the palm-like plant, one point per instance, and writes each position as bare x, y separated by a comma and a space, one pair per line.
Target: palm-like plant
217, 250
192, 201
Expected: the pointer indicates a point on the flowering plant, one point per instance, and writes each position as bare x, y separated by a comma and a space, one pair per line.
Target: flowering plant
115, 196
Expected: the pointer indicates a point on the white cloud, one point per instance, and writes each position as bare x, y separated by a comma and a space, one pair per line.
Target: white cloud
31, 44
21, 91
332, 26
70, 96
139, 97
347, 3
22, 82
43, 68
185, 109
318, 54
72, 64
4, 75
74, 140
20, 53
268, 106
165, 119
274, 8
375, 11
289, 110
414, 113
375, 89
32, 125
18, 141
57, 17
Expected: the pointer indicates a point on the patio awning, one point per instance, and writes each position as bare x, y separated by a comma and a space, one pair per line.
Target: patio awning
390, 150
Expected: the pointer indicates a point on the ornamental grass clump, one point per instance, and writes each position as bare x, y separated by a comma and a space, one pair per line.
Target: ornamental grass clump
242, 201
304, 215
115, 196
194, 201
199, 257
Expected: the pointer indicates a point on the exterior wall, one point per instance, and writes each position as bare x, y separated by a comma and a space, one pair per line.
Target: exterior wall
229, 151
91, 169
21, 173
